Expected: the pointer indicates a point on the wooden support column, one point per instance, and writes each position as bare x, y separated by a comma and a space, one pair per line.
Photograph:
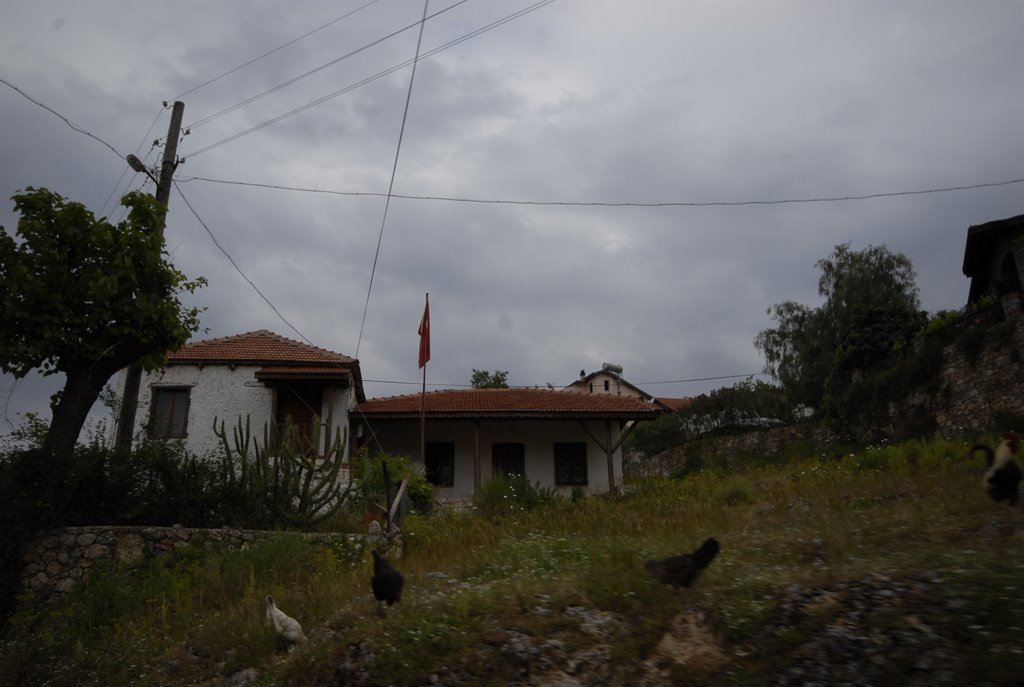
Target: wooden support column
610, 450
476, 455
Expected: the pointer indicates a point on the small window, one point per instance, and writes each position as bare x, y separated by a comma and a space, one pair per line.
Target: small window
571, 463
440, 460
508, 459
170, 413
606, 387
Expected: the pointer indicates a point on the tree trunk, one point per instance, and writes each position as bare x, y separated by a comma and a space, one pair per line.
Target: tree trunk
82, 387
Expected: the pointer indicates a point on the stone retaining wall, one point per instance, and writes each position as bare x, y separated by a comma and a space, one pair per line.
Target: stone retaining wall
972, 391
60, 561
768, 442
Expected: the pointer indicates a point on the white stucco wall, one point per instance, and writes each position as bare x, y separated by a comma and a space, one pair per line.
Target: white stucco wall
218, 391
538, 437
616, 386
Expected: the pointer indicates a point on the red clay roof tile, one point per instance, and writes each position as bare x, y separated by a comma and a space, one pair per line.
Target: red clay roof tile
529, 402
259, 348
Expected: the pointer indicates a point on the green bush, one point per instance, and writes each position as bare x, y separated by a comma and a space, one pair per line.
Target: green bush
368, 474
508, 494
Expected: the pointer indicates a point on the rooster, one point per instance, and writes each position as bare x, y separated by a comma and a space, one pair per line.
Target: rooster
682, 571
1003, 473
386, 582
287, 628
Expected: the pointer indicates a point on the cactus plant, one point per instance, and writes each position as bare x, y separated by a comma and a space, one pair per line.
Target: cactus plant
287, 484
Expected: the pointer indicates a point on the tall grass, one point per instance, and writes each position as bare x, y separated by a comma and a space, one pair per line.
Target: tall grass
470, 579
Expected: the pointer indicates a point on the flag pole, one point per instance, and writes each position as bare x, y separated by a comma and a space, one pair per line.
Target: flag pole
424, 357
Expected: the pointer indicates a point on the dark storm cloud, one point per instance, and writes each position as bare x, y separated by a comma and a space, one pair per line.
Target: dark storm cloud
656, 101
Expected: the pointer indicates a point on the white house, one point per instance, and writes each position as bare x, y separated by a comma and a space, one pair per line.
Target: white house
609, 380
556, 438
259, 375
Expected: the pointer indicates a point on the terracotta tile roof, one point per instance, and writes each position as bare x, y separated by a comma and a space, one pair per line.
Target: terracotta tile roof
674, 403
511, 402
259, 348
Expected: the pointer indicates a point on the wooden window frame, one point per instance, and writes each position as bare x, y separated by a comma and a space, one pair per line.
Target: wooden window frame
569, 458
495, 458
161, 427
439, 458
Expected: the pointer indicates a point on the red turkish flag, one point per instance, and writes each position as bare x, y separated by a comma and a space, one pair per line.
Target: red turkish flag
424, 332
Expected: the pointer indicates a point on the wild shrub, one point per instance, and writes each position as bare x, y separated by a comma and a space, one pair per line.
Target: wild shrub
368, 477
508, 494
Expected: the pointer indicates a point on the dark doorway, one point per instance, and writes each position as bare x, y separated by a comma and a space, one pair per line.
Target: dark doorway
1009, 278
299, 402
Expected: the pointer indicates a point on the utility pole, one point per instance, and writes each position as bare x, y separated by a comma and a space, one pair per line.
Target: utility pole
133, 378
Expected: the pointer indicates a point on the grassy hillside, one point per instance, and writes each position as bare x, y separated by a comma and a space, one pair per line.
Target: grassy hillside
886, 567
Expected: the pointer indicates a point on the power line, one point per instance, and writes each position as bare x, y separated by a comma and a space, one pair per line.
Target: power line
237, 268
720, 203
702, 379
315, 70
369, 79
271, 52
60, 116
124, 172
394, 170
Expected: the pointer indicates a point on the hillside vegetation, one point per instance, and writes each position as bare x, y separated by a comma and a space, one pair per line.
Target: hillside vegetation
888, 566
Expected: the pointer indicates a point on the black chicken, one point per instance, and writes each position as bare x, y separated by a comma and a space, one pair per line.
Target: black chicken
387, 582
682, 571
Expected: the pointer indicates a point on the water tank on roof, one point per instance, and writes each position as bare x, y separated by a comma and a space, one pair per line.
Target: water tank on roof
611, 367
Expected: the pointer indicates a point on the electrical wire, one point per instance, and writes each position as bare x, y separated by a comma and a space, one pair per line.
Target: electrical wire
256, 289
124, 172
237, 268
59, 116
304, 75
702, 379
369, 79
394, 170
271, 52
696, 204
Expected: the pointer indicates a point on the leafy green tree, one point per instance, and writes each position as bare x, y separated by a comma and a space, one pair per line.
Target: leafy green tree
871, 310
482, 379
744, 406
85, 298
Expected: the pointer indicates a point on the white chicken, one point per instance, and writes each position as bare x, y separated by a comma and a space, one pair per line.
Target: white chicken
286, 627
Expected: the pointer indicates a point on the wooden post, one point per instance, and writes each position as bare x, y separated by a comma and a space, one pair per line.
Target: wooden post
133, 378
610, 452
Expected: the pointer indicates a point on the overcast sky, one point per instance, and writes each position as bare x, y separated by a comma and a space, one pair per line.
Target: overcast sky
577, 106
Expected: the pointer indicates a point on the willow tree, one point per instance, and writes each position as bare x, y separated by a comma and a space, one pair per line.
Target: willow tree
85, 298
871, 311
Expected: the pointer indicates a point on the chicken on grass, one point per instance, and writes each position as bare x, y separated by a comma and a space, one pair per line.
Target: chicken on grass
287, 628
1003, 474
386, 582
683, 570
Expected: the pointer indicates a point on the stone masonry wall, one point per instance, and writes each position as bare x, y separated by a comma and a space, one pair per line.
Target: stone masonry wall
971, 392
61, 561
768, 442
